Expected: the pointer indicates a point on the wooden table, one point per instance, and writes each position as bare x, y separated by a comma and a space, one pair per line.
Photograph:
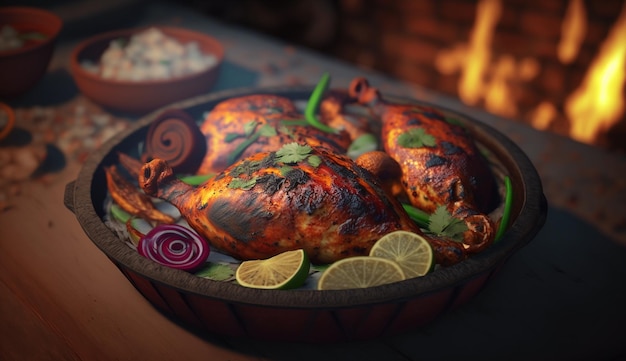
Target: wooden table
562, 297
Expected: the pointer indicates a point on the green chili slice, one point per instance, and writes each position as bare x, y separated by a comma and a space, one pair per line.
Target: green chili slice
232, 157
196, 179
508, 200
417, 215
314, 102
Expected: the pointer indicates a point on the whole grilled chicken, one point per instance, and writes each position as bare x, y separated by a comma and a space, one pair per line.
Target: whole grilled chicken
296, 197
440, 163
242, 126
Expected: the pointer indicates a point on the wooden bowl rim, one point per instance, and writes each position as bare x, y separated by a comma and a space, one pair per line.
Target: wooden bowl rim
529, 221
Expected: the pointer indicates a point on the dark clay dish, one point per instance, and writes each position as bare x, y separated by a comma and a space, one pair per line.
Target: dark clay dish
305, 315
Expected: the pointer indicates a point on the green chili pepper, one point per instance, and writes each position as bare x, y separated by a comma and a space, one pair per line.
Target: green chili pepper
508, 200
417, 215
314, 102
196, 179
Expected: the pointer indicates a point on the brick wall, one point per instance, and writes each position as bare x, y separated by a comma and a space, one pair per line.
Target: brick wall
405, 38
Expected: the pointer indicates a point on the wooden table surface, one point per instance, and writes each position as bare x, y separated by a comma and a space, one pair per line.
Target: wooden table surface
562, 297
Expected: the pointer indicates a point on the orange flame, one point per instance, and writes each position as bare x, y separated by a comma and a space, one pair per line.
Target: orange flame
590, 109
480, 79
573, 31
471, 85
543, 115
598, 102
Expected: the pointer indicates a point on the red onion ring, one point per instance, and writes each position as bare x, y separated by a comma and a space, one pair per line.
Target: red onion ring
174, 246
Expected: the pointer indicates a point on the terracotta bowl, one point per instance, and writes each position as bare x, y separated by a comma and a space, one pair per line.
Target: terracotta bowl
140, 97
305, 315
21, 68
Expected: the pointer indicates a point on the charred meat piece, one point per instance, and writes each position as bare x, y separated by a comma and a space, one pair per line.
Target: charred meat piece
271, 202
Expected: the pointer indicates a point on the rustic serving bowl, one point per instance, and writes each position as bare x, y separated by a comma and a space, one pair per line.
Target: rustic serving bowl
21, 68
140, 97
305, 315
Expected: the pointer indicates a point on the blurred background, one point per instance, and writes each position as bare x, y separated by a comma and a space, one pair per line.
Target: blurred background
558, 65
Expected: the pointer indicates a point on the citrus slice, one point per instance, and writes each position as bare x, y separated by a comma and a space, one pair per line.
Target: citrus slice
283, 271
410, 250
360, 272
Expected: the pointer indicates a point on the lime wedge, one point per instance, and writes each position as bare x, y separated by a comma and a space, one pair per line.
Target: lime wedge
360, 272
410, 250
284, 271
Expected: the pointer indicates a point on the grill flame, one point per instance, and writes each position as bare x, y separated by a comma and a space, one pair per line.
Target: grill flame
598, 102
591, 109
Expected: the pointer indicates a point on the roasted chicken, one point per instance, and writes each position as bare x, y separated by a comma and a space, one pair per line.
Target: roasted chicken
296, 197
263, 202
242, 126
440, 163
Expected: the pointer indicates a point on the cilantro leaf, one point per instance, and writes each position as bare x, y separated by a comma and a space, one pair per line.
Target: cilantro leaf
249, 127
284, 170
239, 183
293, 153
416, 138
267, 131
314, 161
216, 272
442, 223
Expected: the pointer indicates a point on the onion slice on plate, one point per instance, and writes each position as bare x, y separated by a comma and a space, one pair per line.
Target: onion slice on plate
174, 246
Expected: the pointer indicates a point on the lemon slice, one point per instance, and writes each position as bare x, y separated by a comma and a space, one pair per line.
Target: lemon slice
360, 272
283, 271
410, 250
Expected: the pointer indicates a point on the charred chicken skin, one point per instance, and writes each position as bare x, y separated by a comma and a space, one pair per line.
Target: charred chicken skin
440, 163
242, 126
269, 203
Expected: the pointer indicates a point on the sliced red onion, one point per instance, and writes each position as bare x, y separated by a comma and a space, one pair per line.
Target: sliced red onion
174, 246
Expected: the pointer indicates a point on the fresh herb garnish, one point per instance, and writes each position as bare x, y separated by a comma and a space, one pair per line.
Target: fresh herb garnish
442, 223
293, 153
284, 170
240, 183
439, 223
248, 130
363, 144
216, 271
416, 138
266, 131
249, 127
314, 161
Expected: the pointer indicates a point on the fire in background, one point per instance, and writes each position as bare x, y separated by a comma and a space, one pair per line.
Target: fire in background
557, 65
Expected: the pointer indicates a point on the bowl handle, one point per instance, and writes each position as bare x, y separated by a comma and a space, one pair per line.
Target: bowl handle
68, 197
